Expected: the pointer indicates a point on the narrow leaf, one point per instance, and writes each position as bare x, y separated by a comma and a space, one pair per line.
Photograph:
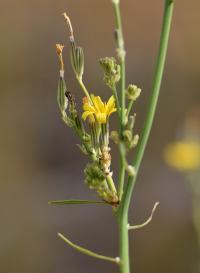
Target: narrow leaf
76, 202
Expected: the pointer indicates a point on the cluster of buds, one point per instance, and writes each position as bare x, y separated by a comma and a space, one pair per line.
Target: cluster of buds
95, 179
127, 138
130, 139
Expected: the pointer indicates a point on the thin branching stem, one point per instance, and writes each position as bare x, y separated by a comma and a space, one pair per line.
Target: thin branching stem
147, 221
111, 183
89, 252
114, 91
130, 105
83, 87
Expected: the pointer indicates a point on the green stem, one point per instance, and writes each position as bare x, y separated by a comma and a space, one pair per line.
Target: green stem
123, 242
125, 203
111, 183
122, 170
121, 53
114, 91
130, 105
82, 85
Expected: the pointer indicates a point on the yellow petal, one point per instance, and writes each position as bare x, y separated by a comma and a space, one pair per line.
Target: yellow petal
112, 111
101, 117
110, 106
91, 119
86, 114
98, 104
88, 107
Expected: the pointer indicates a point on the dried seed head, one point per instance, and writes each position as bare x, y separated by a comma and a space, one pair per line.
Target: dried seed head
67, 19
106, 160
59, 50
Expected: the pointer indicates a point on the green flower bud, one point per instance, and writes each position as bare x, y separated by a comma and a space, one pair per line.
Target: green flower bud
94, 175
111, 71
131, 122
130, 170
82, 149
77, 56
115, 137
61, 98
86, 138
68, 120
77, 60
133, 92
115, 2
134, 141
72, 104
127, 134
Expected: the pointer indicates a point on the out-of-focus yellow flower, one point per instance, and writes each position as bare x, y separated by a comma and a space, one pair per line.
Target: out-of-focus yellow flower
98, 110
183, 155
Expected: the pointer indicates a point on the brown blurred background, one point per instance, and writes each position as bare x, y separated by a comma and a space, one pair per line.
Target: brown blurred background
39, 160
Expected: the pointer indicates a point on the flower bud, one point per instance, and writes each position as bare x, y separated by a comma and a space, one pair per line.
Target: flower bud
134, 141
72, 104
77, 56
111, 71
68, 121
61, 98
131, 122
130, 170
77, 60
127, 134
133, 92
115, 137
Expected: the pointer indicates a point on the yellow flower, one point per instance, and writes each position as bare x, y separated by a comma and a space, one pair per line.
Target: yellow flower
98, 110
182, 155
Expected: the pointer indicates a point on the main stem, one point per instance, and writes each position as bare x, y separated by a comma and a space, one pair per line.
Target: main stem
125, 203
121, 55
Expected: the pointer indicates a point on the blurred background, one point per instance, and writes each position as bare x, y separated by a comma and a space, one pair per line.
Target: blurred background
39, 159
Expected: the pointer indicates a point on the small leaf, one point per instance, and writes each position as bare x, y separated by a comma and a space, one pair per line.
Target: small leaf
75, 202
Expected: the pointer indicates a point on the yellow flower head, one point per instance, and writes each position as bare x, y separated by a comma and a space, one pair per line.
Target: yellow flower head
98, 110
183, 156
